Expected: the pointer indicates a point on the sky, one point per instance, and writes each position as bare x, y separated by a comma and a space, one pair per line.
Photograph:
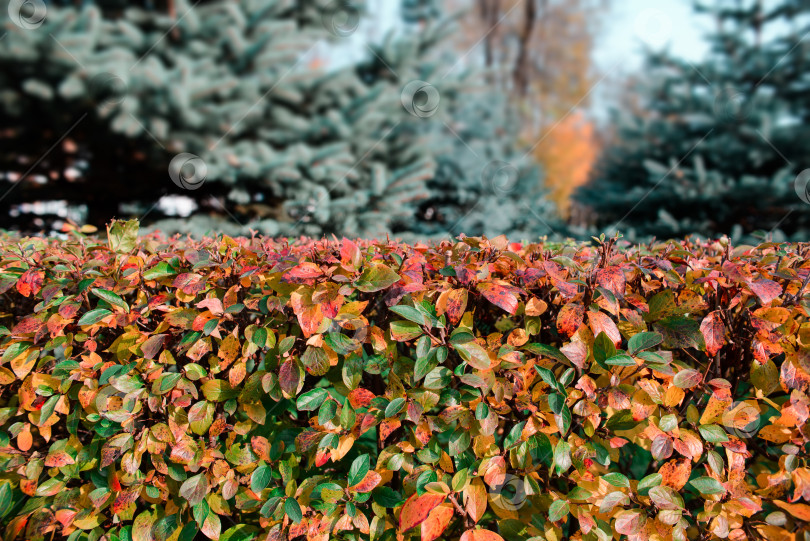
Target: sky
629, 27
634, 24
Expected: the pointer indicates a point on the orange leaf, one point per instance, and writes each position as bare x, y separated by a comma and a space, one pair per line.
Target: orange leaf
453, 304
714, 332
371, 480
600, 322
799, 510
480, 535
417, 509
360, 397
475, 499
30, 282
675, 473
570, 318
58, 459
437, 522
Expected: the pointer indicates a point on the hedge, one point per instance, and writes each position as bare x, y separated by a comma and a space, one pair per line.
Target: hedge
245, 388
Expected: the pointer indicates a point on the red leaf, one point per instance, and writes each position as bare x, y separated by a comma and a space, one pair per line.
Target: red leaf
125, 498
152, 345
503, 296
305, 273
213, 304
417, 509
456, 304
570, 318
766, 290
558, 280
612, 279
714, 332
322, 457
350, 254
190, 283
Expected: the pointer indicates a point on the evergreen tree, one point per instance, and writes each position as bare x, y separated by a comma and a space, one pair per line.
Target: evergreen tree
715, 151
228, 97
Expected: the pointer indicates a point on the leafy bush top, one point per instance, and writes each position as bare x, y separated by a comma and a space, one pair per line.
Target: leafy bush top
245, 388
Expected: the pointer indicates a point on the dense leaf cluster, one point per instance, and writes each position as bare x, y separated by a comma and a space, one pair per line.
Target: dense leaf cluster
236, 388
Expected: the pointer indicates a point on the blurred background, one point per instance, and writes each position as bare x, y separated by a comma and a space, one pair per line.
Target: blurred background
414, 119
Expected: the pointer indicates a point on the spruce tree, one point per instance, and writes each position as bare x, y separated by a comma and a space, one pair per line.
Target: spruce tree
228, 100
715, 150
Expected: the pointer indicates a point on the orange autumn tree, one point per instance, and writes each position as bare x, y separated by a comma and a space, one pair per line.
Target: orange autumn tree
567, 153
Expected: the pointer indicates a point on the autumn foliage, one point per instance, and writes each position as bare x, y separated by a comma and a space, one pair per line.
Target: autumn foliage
235, 389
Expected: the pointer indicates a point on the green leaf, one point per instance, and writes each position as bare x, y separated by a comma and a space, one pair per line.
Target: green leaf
217, 390
293, 510
94, 316
544, 350
194, 489
166, 382
240, 532
358, 470
603, 349
643, 340
259, 337
475, 355
558, 510
394, 407
261, 478
621, 359
459, 442
617, 480
5, 499
376, 278
386, 497
707, 485
621, 420
687, 378
111, 298
410, 313
652, 480
315, 361
311, 400
122, 236
161, 270
402, 331
680, 332
713, 433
